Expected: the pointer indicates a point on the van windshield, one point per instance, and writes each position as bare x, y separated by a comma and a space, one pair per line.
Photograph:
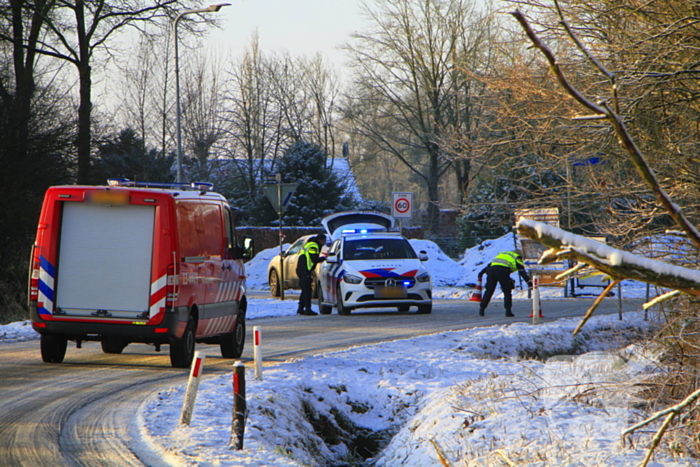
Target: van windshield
378, 248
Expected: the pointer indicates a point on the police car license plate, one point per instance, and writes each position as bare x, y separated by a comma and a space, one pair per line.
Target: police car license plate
396, 291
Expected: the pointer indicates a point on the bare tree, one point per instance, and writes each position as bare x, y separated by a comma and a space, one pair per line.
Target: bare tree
252, 118
75, 30
618, 264
202, 108
22, 31
644, 57
137, 90
287, 77
324, 89
410, 90
609, 112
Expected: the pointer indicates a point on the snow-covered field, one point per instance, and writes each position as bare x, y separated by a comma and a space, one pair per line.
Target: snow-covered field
468, 394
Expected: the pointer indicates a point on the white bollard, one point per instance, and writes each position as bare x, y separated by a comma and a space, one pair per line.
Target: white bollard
535, 299
192, 386
257, 353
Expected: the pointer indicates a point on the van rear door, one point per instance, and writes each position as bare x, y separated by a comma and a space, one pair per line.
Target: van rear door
104, 263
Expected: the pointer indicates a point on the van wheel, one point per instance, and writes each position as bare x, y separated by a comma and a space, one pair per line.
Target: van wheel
53, 348
342, 309
113, 345
182, 350
322, 308
404, 308
274, 282
232, 343
425, 309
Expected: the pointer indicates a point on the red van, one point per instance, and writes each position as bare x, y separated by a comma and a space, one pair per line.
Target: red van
138, 262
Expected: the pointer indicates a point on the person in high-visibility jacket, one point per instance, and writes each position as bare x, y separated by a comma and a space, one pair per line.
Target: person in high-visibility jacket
309, 256
498, 272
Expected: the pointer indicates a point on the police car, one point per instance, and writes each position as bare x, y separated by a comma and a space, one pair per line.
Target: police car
370, 266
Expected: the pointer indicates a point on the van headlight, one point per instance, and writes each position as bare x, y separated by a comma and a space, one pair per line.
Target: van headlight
423, 277
352, 279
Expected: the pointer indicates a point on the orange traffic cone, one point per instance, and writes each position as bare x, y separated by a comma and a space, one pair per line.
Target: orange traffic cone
476, 294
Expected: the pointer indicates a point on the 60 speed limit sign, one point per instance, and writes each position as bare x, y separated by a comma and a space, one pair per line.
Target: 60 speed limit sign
402, 205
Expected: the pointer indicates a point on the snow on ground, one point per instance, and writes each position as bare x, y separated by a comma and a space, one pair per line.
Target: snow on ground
473, 395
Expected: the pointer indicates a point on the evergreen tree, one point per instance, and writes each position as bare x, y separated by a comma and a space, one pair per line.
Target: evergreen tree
126, 156
319, 191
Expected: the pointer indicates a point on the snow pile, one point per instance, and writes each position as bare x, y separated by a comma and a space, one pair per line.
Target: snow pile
19, 331
256, 268
476, 258
466, 392
444, 271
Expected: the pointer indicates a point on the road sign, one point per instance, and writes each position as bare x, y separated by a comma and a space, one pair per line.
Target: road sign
532, 250
402, 205
285, 190
547, 215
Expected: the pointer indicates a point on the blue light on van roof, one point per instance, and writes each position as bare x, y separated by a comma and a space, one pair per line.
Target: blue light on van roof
125, 182
203, 186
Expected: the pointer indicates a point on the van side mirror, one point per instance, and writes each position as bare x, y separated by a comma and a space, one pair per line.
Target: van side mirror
248, 248
245, 252
423, 256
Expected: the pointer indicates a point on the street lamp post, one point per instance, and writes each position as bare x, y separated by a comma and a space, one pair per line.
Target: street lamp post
210, 8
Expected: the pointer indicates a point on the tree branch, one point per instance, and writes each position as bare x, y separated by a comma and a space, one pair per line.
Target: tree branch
625, 139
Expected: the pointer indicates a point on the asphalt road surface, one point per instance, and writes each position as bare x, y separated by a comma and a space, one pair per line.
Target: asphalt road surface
83, 412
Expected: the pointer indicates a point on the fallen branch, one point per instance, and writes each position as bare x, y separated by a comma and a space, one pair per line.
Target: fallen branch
440, 453
617, 264
670, 413
597, 302
660, 299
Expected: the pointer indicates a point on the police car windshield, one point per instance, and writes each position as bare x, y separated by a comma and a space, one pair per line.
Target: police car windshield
377, 248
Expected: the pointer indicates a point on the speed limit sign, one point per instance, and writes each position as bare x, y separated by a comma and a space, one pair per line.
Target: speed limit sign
402, 205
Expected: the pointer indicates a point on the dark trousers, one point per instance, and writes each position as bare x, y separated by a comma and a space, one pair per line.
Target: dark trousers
498, 275
305, 296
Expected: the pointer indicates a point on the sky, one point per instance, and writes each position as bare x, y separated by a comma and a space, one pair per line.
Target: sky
466, 393
300, 27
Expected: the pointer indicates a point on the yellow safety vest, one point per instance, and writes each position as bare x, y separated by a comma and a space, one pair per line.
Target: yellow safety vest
509, 259
311, 248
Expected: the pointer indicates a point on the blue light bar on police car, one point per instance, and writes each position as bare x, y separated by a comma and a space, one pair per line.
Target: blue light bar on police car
360, 231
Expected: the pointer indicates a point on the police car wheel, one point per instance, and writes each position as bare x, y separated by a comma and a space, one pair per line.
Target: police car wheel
403, 308
182, 350
322, 308
425, 309
53, 348
342, 309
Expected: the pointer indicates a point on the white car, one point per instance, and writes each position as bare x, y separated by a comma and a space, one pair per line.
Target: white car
369, 266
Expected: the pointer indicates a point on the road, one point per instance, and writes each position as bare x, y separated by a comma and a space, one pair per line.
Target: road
83, 412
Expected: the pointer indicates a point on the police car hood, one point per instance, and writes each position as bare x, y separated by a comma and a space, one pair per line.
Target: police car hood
356, 221
386, 268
